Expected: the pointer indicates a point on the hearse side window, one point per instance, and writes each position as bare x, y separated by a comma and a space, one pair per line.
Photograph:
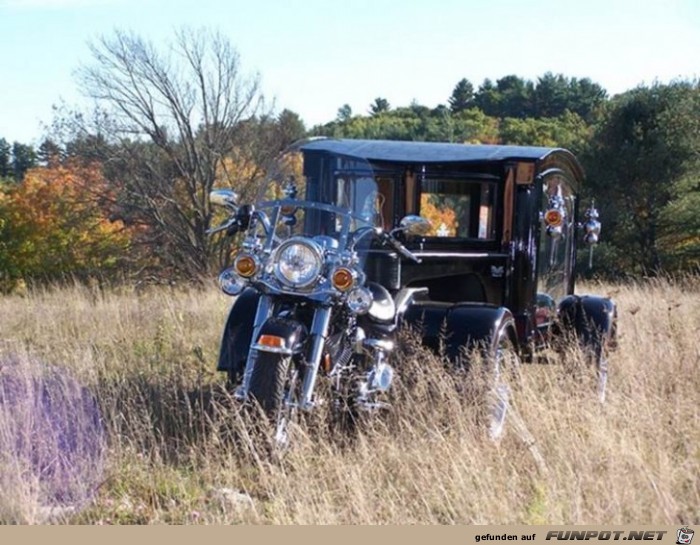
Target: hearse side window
554, 259
459, 208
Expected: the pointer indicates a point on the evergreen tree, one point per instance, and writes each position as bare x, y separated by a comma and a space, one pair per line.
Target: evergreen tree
5, 158
23, 158
462, 96
379, 106
344, 113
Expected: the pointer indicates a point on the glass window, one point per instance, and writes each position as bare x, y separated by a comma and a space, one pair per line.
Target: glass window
554, 259
459, 208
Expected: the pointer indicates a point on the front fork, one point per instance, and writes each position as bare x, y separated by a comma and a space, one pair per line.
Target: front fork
318, 335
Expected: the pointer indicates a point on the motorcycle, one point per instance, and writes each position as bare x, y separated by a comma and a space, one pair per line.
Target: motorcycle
305, 310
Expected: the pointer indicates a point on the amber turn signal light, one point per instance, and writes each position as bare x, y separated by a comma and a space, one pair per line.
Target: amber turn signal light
272, 341
245, 265
343, 279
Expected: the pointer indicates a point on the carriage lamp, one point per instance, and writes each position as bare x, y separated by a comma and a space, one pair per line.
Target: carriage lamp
592, 231
554, 232
554, 217
592, 226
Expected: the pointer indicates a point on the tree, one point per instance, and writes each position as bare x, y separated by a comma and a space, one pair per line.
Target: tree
344, 113
5, 158
379, 106
643, 168
172, 117
49, 153
462, 96
586, 98
515, 97
567, 131
23, 158
487, 98
290, 127
56, 224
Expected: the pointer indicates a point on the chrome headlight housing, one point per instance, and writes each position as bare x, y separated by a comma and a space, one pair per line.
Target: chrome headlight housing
230, 282
298, 263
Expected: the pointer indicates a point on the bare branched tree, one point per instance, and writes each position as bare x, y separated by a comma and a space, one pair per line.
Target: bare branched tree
174, 116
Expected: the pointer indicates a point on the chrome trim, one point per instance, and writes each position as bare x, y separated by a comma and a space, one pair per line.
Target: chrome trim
319, 330
459, 254
224, 197
321, 294
379, 344
405, 297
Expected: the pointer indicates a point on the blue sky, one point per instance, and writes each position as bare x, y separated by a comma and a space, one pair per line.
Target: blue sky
315, 55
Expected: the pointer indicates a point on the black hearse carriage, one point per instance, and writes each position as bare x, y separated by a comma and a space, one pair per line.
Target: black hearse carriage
493, 264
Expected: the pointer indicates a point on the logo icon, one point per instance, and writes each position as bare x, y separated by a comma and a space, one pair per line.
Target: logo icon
497, 272
685, 535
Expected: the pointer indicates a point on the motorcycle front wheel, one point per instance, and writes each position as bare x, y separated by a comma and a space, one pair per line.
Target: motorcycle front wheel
273, 385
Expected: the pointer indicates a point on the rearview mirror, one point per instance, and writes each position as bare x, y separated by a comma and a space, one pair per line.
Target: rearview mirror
414, 225
224, 197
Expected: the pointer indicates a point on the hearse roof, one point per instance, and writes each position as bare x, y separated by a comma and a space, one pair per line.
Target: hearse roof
428, 152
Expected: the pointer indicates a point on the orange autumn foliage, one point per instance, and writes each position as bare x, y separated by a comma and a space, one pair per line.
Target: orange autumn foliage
442, 219
56, 223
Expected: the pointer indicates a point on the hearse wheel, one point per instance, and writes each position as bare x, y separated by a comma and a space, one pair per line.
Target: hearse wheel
505, 375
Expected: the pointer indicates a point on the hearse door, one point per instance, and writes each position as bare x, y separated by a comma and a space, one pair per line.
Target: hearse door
556, 247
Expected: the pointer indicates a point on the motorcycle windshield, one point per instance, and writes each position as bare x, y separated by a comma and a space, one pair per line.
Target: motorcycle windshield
332, 199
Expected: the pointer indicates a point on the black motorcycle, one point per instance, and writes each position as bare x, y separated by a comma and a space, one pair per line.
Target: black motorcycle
304, 306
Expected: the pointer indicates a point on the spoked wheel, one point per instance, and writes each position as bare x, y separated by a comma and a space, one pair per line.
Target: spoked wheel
274, 384
596, 354
503, 368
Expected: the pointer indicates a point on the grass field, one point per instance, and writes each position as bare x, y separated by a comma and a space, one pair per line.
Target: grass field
175, 449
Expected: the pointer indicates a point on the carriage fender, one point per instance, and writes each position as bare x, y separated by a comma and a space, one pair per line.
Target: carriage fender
464, 325
238, 332
592, 317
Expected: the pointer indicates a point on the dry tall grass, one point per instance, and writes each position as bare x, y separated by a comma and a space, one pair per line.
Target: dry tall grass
176, 452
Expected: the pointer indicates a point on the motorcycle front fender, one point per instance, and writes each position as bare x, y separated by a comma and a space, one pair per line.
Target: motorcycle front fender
238, 332
281, 335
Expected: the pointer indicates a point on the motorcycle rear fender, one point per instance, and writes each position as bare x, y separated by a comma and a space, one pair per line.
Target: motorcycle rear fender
591, 317
238, 332
461, 326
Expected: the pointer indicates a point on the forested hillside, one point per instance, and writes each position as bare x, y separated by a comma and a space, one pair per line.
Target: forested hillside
120, 192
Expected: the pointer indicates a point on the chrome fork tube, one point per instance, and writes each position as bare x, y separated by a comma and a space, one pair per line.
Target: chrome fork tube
319, 331
261, 315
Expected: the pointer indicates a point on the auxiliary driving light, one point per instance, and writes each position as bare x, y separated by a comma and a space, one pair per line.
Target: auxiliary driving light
360, 300
230, 282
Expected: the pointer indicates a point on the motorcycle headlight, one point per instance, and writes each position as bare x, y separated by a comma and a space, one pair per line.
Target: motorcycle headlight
298, 263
